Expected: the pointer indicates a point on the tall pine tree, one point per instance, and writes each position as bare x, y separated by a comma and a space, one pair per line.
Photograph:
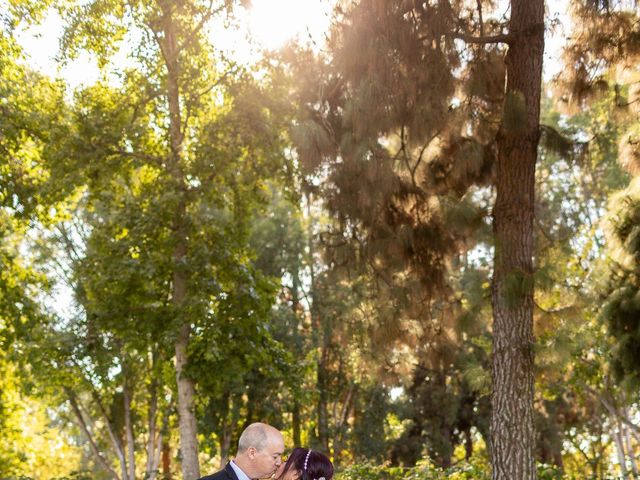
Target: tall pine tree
417, 106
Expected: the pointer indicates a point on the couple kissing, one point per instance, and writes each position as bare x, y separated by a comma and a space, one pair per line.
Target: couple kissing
259, 455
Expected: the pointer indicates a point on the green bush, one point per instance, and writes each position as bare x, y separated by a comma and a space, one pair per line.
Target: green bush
476, 469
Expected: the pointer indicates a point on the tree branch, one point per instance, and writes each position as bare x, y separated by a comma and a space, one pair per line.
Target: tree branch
479, 3
205, 17
140, 156
483, 40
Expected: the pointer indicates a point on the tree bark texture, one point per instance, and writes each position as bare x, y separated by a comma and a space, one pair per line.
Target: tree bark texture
512, 424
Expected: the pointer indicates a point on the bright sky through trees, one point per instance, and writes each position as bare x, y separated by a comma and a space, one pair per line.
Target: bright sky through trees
274, 22
267, 24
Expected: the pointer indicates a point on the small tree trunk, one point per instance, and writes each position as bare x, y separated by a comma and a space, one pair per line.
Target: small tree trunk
152, 470
323, 400
295, 421
129, 431
85, 429
116, 441
225, 446
629, 448
186, 388
468, 444
166, 459
322, 339
295, 307
159, 451
187, 419
512, 423
620, 450
152, 419
446, 429
341, 423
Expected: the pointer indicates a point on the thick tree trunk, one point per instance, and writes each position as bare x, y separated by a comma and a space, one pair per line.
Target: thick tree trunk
512, 425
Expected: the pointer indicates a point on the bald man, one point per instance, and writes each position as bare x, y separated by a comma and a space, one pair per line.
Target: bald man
259, 455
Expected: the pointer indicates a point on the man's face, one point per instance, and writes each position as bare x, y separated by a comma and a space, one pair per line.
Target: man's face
267, 460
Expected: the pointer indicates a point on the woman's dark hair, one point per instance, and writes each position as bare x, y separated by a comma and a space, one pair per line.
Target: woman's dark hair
317, 465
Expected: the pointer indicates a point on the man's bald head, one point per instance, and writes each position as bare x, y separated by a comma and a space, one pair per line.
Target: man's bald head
257, 435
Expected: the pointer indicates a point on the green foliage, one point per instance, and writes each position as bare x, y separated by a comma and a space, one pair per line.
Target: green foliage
33, 112
476, 468
622, 307
369, 440
31, 441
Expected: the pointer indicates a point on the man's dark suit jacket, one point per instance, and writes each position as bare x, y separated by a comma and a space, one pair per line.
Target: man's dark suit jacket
225, 474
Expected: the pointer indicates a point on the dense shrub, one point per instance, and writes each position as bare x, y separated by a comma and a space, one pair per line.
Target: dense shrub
476, 469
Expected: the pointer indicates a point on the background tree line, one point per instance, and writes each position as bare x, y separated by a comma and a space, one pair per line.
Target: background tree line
403, 248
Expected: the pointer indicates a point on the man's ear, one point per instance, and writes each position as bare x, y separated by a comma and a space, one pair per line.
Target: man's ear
251, 452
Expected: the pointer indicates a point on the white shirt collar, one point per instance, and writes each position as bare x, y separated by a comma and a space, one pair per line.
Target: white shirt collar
241, 475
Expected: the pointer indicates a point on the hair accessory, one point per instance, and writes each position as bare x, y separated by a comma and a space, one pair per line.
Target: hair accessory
306, 461
321, 478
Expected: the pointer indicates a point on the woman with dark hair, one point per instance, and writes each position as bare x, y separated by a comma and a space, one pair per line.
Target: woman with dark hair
305, 464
